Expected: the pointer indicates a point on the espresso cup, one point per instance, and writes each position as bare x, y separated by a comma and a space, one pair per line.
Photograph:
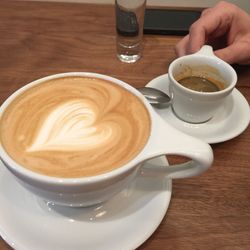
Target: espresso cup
191, 102
77, 139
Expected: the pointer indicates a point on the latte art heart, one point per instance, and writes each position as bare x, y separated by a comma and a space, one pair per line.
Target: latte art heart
70, 127
74, 127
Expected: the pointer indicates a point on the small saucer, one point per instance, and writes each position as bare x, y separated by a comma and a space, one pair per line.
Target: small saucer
230, 120
124, 222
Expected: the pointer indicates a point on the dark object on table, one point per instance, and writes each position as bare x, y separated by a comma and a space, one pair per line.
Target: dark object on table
169, 22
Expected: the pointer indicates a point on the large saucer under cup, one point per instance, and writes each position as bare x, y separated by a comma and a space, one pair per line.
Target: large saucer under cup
28, 222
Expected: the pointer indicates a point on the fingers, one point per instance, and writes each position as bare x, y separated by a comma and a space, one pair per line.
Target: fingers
196, 38
235, 53
181, 46
220, 26
206, 12
213, 22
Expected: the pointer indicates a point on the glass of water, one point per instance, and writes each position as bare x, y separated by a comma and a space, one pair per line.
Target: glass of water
129, 29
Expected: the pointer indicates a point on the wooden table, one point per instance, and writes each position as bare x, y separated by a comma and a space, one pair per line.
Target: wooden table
38, 39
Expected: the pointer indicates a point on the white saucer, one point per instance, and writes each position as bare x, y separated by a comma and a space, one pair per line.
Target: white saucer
125, 222
230, 121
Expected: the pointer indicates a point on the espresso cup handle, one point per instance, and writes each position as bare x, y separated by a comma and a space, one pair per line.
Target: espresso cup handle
166, 140
206, 50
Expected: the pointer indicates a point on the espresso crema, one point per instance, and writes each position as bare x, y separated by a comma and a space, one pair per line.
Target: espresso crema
74, 127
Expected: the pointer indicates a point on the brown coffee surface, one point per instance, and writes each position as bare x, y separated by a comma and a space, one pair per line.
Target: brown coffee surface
74, 127
201, 84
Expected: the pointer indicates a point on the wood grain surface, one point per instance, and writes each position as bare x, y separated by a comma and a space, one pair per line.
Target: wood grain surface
37, 39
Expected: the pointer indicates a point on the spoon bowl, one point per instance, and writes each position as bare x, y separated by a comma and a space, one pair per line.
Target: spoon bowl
155, 97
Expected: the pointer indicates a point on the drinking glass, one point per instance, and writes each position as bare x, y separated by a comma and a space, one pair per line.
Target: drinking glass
129, 29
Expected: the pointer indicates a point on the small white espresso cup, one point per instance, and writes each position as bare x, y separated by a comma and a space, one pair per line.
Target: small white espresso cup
194, 106
86, 191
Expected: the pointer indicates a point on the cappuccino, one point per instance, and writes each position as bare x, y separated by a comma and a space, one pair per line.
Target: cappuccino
74, 127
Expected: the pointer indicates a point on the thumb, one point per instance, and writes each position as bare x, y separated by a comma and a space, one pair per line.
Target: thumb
235, 53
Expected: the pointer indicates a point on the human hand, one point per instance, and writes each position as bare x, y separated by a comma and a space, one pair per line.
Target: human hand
226, 28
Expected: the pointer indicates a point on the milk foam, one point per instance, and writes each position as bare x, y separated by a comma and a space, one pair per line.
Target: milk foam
70, 127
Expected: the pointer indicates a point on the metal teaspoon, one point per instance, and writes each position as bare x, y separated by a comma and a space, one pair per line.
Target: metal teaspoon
155, 97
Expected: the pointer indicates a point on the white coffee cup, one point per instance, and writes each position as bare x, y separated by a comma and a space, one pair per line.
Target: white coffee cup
194, 106
85, 191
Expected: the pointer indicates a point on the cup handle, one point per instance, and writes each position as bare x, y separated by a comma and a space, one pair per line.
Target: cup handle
172, 141
206, 50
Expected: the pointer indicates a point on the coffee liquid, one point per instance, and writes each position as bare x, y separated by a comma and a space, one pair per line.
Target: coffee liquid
201, 84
